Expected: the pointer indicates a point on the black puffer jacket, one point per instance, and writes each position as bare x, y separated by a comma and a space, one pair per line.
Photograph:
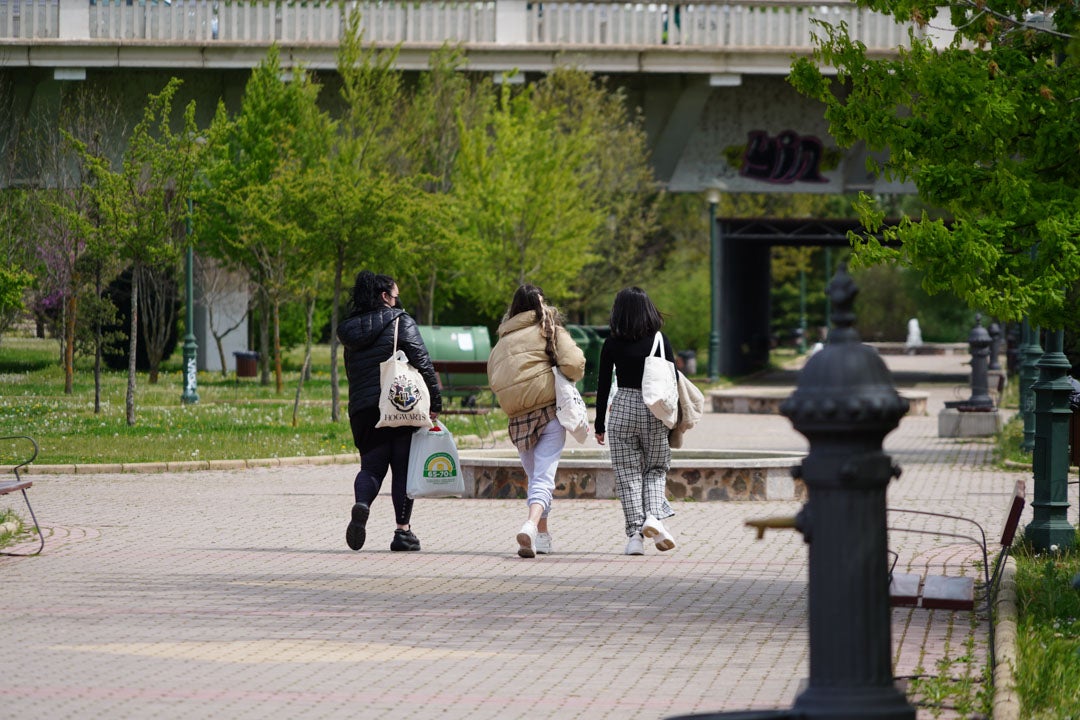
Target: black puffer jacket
368, 339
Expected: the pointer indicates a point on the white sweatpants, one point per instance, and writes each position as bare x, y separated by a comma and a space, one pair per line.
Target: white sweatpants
541, 462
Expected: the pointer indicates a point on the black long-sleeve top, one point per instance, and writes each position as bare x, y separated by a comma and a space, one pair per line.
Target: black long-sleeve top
627, 358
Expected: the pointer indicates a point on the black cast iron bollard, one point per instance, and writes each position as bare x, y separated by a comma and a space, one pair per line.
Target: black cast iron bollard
845, 404
995, 346
1012, 349
979, 345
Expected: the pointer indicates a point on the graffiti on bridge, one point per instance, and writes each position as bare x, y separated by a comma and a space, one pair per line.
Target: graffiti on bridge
786, 158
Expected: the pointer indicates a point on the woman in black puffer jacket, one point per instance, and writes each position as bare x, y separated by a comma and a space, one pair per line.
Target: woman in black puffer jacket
368, 338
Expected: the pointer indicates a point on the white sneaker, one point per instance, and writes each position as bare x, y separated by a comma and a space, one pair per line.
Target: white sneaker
543, 543
634, 545
526, 539
653, 528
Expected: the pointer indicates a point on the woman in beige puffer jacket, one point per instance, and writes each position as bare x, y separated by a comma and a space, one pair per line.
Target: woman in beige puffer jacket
532, 340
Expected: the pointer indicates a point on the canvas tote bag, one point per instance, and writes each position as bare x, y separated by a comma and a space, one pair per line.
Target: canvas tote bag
691, 408
570, 407
404, 399
659, 388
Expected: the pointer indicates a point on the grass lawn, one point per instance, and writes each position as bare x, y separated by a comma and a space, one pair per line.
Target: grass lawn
234, 418
1048, 622
1048, 633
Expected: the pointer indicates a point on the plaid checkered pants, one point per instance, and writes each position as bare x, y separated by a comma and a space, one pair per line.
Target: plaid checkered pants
640, 456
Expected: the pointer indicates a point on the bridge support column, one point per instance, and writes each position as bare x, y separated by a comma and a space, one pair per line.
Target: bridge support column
745, 306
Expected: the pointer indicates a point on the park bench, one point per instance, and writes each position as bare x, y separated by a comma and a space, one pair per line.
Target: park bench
457, 380
948, 592
21, 485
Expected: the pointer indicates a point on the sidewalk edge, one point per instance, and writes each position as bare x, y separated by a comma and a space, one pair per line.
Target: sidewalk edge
1006, 700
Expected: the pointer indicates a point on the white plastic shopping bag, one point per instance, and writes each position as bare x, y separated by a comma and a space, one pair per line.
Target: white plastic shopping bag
434, 468
570, 407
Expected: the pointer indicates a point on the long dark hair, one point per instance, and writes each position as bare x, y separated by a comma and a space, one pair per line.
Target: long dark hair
633, 315
531, 298
367, 292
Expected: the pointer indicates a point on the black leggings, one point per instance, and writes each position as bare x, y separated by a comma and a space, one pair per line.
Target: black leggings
382, 449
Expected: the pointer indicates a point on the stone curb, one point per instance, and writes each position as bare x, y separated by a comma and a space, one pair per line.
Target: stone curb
185, 465
1006, 700
196, 465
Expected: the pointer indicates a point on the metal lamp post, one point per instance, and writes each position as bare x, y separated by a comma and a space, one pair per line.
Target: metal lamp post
191, 348
1030, 352
713, 197
1050, 460
802, 310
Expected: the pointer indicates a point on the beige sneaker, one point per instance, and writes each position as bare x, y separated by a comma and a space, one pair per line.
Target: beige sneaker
655, 530
526, 539
543, 543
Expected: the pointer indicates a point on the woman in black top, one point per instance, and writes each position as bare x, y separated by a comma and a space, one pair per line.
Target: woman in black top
368, 338
640, 453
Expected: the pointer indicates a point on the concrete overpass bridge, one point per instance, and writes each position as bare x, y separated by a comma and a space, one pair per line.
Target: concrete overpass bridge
708, 76
755, 37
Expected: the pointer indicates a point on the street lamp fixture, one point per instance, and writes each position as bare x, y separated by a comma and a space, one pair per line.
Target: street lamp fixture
713, 197
190, 395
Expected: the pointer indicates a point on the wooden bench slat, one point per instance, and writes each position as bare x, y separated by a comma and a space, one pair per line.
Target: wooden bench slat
949, 593
466, 391
465, 367
904, 589
9, 486
958, 593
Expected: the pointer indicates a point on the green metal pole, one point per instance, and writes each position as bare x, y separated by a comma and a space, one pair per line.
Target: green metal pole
1030, 352
191, 348
828, 300
714, 282
1050, 462
802, 311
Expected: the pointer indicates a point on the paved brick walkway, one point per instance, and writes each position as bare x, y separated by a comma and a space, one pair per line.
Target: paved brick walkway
231, 594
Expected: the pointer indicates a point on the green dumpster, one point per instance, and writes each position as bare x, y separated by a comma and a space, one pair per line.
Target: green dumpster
590, 338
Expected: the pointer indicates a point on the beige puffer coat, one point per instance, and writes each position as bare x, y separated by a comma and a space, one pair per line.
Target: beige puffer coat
519, 371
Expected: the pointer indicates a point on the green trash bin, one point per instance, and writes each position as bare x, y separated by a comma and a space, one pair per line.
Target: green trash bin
590, 338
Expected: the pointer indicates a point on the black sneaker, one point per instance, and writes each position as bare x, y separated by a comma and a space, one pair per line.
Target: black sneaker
356, 533
405, 541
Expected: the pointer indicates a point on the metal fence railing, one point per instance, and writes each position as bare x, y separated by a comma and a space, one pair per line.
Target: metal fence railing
722, 24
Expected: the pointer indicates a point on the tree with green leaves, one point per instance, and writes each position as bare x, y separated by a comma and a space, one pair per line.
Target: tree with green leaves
987, 128
627, 193
527, 191
16, 258
444, 101
357, 192
258, 190
13, 283
142, 203
65, 221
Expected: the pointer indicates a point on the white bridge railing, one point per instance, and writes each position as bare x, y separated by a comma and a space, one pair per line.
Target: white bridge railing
703, 24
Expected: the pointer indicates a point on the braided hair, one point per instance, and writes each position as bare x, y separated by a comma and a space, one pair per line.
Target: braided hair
367, 292
530, 297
